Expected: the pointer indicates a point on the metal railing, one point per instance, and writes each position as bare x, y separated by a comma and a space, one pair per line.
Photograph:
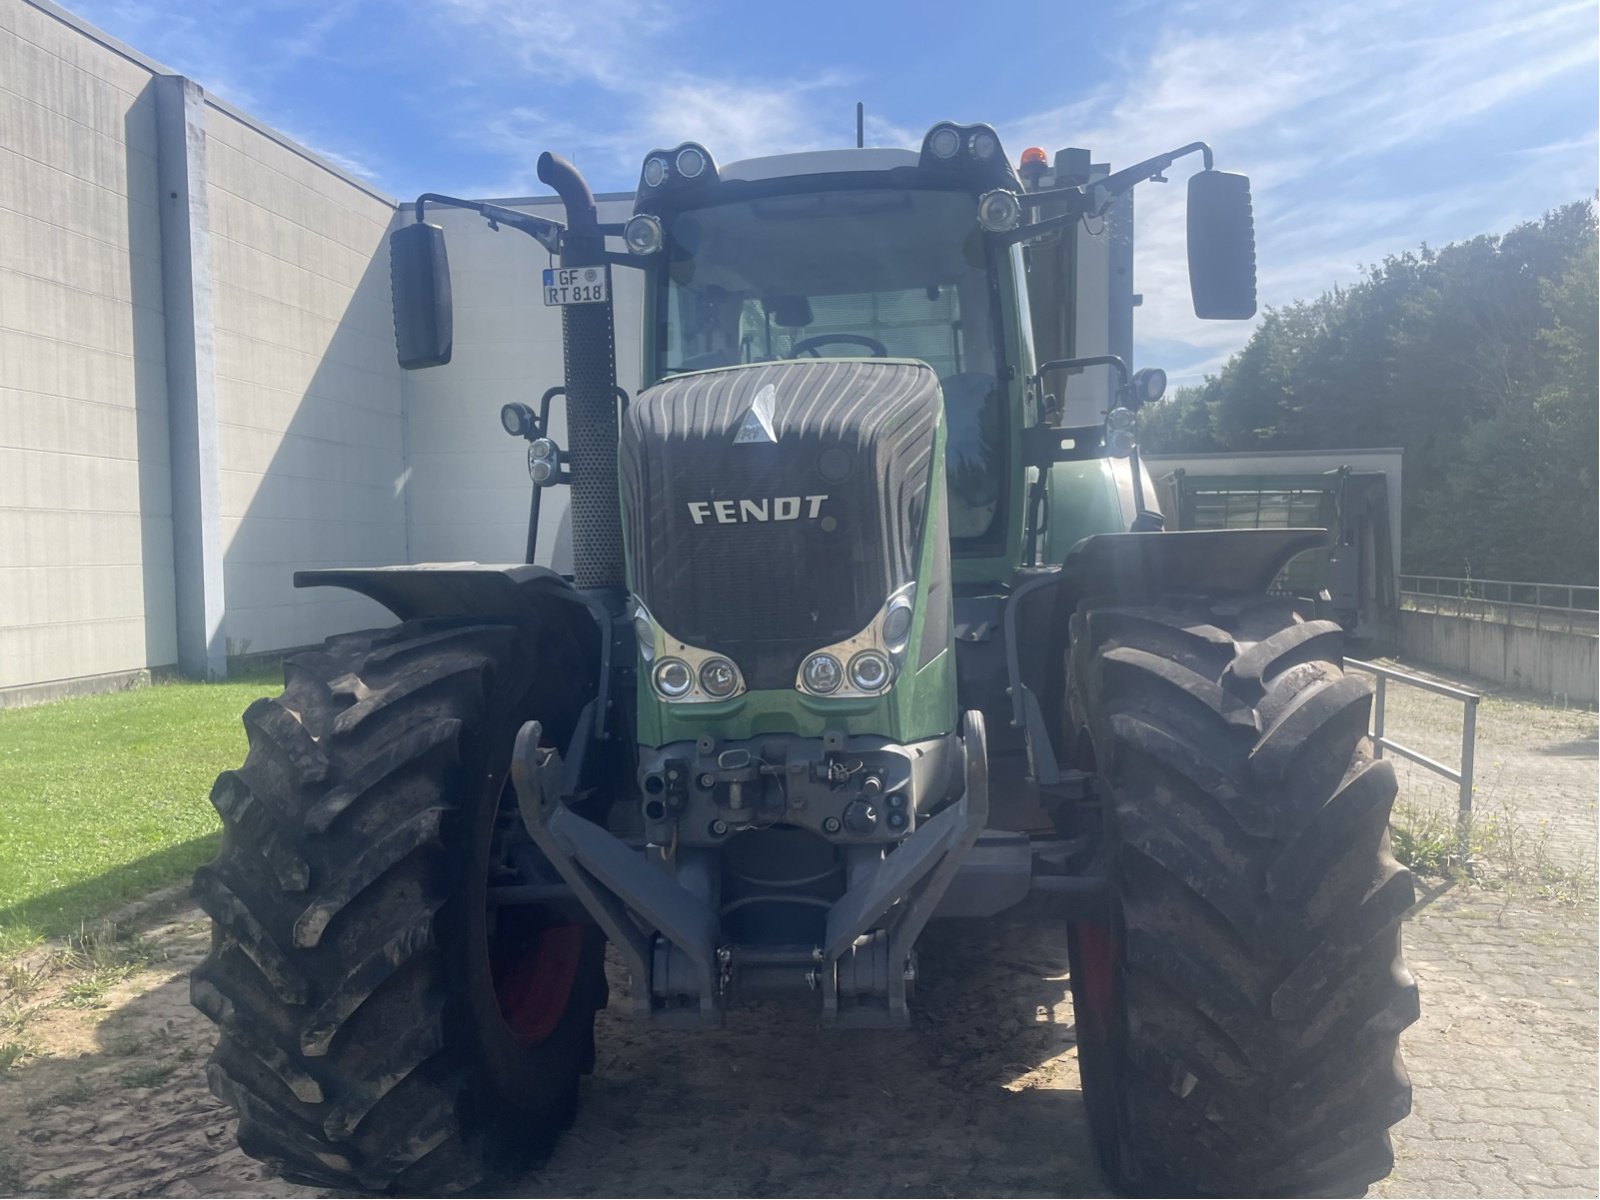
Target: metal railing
1559, 607
1469, 731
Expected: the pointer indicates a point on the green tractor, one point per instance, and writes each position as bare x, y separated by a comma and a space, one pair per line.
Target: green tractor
861, 634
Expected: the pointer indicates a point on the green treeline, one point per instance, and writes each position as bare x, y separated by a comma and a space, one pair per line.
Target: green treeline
1478, 359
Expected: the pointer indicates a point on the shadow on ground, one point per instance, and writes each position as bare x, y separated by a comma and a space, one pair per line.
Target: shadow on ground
130, 881
978, 1098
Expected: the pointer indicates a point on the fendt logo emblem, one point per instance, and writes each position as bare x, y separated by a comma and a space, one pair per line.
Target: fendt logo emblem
757, 425
737, 512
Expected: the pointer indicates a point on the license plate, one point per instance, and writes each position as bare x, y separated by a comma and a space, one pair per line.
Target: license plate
577, 285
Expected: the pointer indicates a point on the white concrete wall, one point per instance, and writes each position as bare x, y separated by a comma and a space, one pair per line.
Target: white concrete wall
309, 403
86, 584
469, 481
1563, 666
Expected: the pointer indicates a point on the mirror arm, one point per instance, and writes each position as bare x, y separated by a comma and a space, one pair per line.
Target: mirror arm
1093, 198
546, 232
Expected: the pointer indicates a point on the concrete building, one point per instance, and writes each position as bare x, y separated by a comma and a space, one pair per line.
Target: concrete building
198, 391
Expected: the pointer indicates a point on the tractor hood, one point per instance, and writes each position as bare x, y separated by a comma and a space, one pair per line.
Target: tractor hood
773, 510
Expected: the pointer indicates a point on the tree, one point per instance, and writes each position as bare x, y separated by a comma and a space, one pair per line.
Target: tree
1479, 360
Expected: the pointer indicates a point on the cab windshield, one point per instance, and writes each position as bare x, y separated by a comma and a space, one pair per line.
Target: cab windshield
858, 273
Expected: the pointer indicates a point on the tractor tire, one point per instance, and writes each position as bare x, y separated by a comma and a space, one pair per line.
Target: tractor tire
1239, 1010
381, 1030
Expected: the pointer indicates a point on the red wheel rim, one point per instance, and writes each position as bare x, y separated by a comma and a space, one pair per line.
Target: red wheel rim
1097, 960
533, 980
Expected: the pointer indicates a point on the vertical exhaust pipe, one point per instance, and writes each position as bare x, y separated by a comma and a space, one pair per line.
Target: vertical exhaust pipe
589, 353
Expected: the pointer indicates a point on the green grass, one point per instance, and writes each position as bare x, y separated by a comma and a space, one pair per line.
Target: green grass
104, 798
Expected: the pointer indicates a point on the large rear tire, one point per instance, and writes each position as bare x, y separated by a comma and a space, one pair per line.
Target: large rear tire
382, 1027
1239, 1013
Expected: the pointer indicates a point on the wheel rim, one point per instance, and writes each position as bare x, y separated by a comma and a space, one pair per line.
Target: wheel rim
1097, 960
534, 969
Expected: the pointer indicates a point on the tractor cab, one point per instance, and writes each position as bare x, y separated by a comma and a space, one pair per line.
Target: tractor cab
865, 253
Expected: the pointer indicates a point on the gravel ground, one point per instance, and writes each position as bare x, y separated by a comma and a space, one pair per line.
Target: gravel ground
979, 1097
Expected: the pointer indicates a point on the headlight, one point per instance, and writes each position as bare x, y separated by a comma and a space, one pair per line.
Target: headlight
718, 678
1148, 385
897, 624
646, 633
999, 211
983, 145
544, 461
517, 419
672, 678
655, 171
945, 141
869, 671
642, 234
822, 674
1120, 424
691, 162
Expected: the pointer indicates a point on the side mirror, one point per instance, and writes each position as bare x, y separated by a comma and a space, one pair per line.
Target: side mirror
1222, 246
419, 275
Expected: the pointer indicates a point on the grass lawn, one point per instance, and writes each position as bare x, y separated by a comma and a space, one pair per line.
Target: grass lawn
104, 798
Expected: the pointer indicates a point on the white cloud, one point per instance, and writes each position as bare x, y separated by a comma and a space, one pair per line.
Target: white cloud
1314, 103
635, 93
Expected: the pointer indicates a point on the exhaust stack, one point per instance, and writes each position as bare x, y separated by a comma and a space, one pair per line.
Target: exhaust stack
589, 353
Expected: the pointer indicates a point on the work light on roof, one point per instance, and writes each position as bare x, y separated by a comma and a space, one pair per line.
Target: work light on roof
655, 171
983, 145
945, 141
691, 162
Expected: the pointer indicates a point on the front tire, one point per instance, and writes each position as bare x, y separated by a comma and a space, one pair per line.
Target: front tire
1239, 1012
380, 1029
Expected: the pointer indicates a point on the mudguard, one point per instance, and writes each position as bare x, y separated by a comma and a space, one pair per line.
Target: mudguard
535, 599
1130, 566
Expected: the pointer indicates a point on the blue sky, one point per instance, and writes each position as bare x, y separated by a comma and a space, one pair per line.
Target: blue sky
1367, 127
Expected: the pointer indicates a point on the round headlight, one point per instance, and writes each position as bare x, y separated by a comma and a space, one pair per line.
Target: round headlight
983, 144
642, 234
822, 674
1119, 443
673, 679
690, 162
945, 141
646, 633
999, 211
897, 625
869, 671
718, 677
516, 419
544, 460
655, 171
1148, 385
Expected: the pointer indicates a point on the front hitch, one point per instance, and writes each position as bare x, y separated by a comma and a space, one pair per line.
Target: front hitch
668, 930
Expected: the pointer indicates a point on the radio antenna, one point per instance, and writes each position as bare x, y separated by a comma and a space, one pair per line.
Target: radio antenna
861, 125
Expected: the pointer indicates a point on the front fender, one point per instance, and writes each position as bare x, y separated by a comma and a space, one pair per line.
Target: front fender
539, 602
1131, 566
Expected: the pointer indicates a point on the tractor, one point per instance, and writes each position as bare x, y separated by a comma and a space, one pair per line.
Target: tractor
861, 632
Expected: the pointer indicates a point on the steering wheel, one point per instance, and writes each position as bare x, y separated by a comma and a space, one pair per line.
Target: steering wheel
811, 344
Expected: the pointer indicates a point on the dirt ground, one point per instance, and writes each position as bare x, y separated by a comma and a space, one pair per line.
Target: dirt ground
979, 1097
